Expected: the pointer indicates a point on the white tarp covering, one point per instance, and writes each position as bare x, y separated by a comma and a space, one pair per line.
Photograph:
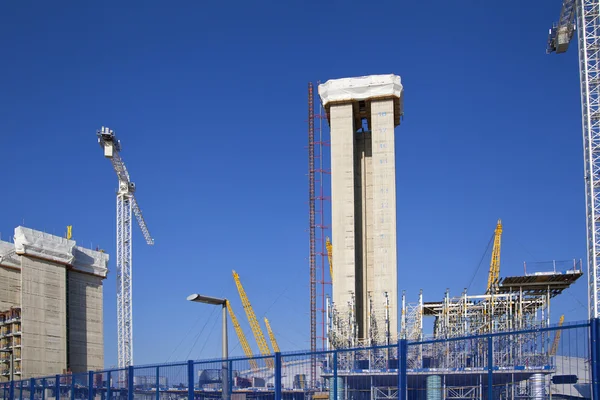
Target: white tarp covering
43, 245
360, 88
7, 255
90, 261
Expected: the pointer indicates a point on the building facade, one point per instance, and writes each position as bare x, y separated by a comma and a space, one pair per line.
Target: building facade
51, 305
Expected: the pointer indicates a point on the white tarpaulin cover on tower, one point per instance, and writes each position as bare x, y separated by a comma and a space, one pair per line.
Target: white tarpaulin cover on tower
90, 261
43, 245
360, 88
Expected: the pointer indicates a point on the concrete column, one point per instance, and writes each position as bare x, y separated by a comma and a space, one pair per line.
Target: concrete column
363, 198
342, 202
43, 317
86, 340
384, 267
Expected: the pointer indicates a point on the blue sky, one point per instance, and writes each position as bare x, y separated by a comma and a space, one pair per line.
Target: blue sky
209, 100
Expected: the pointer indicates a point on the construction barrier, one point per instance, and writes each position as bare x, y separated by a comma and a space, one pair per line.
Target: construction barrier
560, 361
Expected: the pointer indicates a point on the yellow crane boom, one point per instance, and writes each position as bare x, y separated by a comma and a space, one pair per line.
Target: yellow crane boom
494, 274
256, 330
272, 336
329, 248
557, 336
242, 337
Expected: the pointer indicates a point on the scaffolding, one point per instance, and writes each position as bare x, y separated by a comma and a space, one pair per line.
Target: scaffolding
518, 303
10, 339
320, 280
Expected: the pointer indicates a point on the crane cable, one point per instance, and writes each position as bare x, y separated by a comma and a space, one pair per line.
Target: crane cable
481, 261
202, 330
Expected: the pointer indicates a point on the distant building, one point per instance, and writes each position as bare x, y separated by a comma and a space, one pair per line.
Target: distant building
51, 305
149, 381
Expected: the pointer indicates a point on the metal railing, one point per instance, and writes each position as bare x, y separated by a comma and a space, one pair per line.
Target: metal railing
507, 365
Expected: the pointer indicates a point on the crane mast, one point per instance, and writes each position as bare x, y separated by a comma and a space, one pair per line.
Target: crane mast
556, 341
494, 273
240, 334
256, 330
126, 206
584, 16
329, 248
272, 336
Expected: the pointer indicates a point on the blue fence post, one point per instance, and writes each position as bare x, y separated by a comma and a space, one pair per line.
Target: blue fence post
11, 392
57, 387
230, 377
130, 374
108, 384
277, 376
43, 388
595, 350
490, 367
335, 375
91, 385
191, 380
32, 388
72, 386
157, 383
402, 354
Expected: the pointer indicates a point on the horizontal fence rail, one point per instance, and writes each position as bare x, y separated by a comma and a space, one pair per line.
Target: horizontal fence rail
551, 362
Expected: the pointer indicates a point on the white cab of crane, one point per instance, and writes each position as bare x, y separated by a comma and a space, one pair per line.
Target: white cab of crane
108, 141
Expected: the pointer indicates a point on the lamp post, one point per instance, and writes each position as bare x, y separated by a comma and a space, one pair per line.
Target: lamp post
224, 369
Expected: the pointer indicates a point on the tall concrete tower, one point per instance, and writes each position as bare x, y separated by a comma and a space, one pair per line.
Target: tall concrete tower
362, 114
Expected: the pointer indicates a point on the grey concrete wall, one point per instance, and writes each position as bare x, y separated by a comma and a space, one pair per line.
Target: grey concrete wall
10, 288
363, 196
363, 206
86, 343
384, 267
43, 317
342, 203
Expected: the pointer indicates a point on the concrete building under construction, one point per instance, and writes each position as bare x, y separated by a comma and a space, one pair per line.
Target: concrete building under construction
362, 114
51, 305
364, 310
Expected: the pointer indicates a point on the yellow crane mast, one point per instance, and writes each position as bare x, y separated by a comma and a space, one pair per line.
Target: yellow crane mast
557, 336
329, 248
494, 274
272, 336
256, 330
242, 337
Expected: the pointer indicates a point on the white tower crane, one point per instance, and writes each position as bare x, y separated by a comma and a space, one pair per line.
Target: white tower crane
126, 203
583, 16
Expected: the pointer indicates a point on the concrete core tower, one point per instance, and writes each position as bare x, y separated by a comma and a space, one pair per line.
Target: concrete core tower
362, 114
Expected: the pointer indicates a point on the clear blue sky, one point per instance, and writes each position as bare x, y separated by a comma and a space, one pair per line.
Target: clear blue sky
209, 100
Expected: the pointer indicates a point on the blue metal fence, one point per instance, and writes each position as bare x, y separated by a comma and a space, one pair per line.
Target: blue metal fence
556, 362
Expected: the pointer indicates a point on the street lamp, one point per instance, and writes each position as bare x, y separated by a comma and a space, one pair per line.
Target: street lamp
223, 303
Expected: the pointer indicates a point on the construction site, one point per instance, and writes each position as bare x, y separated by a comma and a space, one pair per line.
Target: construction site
368, 339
